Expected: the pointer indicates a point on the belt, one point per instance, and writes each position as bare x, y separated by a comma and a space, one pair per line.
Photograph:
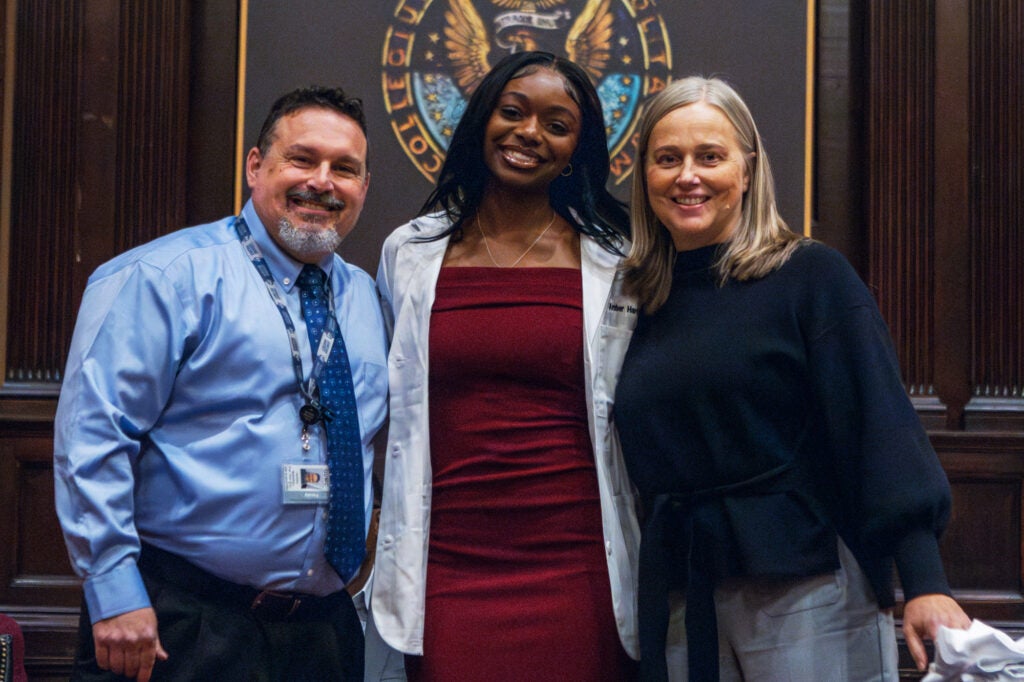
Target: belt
264, 605
677, 550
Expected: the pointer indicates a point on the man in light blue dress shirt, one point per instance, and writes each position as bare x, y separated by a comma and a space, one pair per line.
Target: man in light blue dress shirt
182, 464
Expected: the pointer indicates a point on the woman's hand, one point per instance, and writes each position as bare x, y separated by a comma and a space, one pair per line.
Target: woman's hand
922, 617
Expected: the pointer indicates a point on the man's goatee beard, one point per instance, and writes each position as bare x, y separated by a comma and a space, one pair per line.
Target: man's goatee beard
308, 241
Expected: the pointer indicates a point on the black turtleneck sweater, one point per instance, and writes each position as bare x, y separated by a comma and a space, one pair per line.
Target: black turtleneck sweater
774, 408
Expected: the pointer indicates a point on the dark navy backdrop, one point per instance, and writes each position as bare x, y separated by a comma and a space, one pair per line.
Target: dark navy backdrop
758, 47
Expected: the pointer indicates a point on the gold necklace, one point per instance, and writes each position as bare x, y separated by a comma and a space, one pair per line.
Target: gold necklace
523, 254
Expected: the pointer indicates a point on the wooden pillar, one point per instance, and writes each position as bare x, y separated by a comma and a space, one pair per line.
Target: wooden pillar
952, 203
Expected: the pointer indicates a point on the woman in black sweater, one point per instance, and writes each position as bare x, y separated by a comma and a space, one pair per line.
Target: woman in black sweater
781, 465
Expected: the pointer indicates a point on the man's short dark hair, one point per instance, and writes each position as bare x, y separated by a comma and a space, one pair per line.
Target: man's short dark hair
334, 99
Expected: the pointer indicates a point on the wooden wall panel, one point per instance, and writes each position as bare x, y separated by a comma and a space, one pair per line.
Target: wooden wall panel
40, 554
110, 149
983, 546
941, 161
840, 172
36, 566
44, 173
152, 133
213, 69
37, 585
951, 200
899, 131
945, 198
997, 226
985, 521
99, 159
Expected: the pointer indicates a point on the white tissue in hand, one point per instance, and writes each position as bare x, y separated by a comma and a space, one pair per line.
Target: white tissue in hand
980, 653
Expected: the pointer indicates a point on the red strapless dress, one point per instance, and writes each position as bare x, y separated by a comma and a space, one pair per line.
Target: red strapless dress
517, 580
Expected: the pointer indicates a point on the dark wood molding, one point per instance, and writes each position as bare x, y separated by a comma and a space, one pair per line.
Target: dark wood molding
952, 209
50, 636
840, 169
213, 100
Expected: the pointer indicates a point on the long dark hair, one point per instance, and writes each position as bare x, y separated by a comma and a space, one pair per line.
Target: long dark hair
580, 197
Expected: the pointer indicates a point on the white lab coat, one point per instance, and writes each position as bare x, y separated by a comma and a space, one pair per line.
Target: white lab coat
406, 279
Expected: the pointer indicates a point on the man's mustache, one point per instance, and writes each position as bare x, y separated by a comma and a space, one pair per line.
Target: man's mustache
329, 202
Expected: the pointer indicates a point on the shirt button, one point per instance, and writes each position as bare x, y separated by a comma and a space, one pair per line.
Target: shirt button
323, 515
286, 281
309, 572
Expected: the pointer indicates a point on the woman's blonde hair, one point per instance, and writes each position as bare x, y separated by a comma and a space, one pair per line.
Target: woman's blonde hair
761, 242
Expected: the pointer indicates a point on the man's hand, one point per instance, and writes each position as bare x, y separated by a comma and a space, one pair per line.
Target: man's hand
128, 644
922, 617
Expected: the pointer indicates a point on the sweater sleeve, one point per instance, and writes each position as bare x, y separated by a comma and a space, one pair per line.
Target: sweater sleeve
890, 494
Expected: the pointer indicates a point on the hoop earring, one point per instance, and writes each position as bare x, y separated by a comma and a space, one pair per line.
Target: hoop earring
567, 171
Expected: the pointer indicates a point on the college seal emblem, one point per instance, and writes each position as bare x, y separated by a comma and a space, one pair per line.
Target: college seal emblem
436, 52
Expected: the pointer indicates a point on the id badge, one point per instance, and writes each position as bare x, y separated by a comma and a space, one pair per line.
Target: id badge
305, 483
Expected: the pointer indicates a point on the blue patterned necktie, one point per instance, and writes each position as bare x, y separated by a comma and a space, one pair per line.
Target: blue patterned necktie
346, 542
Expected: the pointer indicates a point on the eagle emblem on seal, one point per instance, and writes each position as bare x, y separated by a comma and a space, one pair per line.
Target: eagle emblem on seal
436, 53
524, 26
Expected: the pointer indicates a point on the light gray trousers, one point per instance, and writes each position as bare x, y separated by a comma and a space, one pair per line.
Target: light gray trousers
826, 628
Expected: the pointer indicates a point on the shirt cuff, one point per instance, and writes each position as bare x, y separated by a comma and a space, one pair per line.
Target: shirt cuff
119, 591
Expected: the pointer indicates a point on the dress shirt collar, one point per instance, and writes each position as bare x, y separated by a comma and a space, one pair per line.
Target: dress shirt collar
283, 267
